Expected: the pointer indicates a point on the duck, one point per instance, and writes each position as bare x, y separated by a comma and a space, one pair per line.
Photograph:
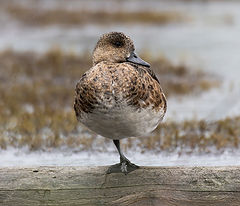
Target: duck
119, 96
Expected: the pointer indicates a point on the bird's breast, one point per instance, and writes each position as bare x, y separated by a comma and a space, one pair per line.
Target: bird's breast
119, 100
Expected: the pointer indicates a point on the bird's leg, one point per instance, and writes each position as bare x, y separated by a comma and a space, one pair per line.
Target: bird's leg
125, 166
122, 157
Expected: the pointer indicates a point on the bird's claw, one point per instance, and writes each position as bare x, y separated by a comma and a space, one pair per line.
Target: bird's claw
124, 167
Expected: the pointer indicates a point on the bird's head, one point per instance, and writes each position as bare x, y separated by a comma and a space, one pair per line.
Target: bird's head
116, 47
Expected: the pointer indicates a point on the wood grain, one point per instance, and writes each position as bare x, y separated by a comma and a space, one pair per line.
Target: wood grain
162, 186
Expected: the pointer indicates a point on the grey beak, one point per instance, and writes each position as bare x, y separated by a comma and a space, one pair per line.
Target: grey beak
134, 58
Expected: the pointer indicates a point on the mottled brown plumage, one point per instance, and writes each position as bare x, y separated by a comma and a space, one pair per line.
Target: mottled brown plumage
113, 86
120, 96
112, 47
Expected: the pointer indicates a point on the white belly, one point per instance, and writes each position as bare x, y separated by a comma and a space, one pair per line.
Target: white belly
122, 122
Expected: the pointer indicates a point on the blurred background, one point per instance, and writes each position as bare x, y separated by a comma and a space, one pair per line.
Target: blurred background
192, 45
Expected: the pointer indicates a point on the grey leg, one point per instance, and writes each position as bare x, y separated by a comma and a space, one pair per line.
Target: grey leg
125, 166
117, 144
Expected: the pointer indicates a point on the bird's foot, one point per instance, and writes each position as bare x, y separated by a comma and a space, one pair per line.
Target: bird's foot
125, 167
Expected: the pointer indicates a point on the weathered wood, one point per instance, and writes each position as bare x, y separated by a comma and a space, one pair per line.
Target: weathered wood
162, 186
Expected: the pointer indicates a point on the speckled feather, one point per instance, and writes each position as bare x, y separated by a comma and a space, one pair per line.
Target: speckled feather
118, 83
119, 99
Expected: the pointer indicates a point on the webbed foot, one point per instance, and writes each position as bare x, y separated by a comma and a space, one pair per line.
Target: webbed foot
124, 167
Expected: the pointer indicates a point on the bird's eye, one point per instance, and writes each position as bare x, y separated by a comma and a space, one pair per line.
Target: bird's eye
118, 44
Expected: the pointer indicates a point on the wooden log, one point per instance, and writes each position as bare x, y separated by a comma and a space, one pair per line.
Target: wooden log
161, 186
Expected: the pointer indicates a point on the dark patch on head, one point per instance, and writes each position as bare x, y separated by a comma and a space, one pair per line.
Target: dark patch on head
118, 43
117, 39
113, 47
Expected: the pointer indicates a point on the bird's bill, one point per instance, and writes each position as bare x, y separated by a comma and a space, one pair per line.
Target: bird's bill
134, 58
